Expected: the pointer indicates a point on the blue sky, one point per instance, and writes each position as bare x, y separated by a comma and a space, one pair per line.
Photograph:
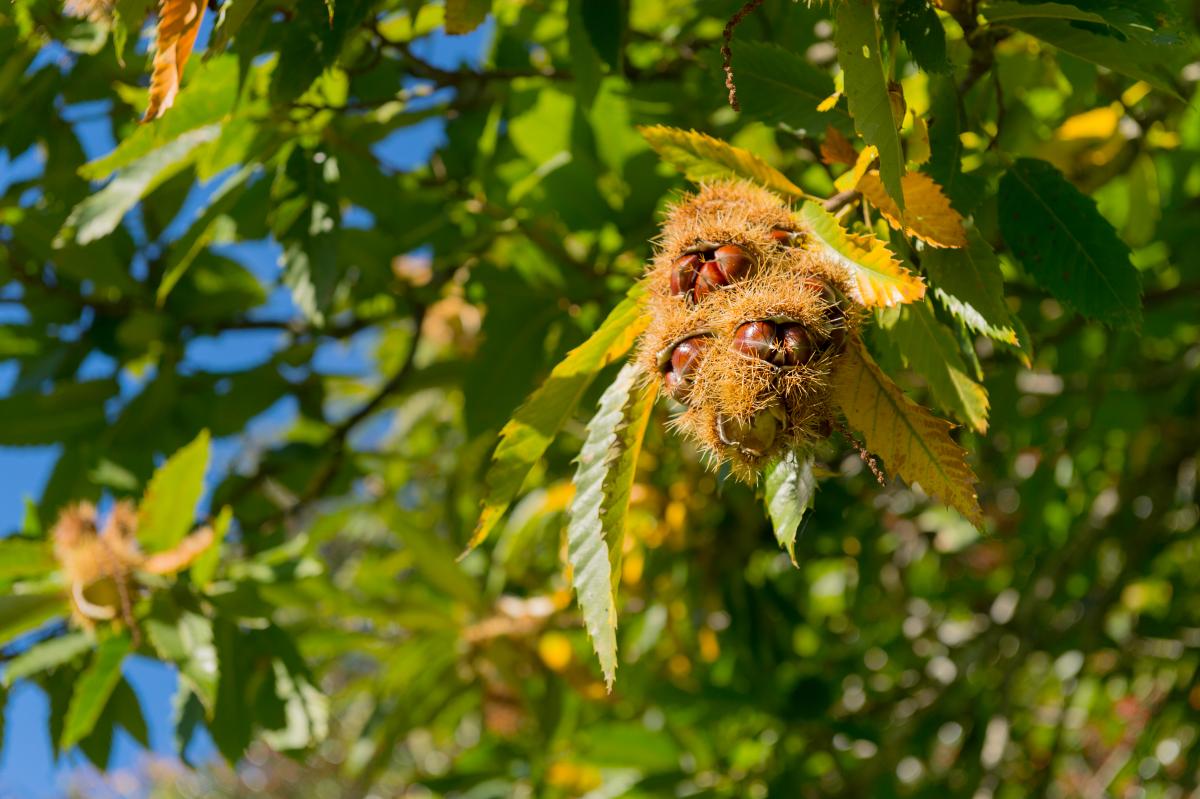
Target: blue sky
27, 766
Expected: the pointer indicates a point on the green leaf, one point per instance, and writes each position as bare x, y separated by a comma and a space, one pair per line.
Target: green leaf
586, 65
968, 282
701, 157
93, 689
1066, 245
46, 655
931, 350
129, 16
776, 85
230, 721
596, 526
21, 613
205, 566
921, 30
604, 21
229, 19
169, 505
188, 716
618, 484
464, 16
126, 710
866, 87
22, 559
790, 488
99, 215
307, 220
69, 411
184, 251
207, 99
305, 708
965, 190
536, 423
186, 639
1132, 50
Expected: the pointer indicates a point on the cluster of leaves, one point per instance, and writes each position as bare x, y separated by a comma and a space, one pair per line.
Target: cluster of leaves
910, 652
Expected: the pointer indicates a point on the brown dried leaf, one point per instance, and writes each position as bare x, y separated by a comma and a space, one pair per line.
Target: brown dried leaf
178, 23
183, 555
837, 149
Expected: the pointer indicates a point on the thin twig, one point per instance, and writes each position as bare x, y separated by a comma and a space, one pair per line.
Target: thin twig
727, 53
863, 452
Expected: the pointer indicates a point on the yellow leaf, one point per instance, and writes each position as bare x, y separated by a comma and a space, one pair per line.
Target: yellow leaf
927, 214
912, 442
182, 555
916, 146
837, 149
178, 23
865, 160
701, 157
1099, 123
829, 102
879, 279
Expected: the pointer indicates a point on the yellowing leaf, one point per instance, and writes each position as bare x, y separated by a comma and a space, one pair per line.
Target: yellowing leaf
912, 442
178, 23
879, 279
916, 146
701, 157
927, 213
931, 350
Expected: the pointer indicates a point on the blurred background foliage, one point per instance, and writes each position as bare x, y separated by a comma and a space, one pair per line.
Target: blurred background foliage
276, 217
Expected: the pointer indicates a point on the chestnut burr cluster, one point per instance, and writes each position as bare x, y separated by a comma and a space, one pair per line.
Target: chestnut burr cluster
747, 323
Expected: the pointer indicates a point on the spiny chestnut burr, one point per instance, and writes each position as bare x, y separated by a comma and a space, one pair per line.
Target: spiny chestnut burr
680, 370
754, 436
834, 312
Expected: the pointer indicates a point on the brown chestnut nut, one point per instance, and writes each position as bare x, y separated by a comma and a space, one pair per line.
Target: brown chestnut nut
753, 436
822, 289
681, 368
734, 262
796, 345
787, 238
686, 356
673, 384
708, 280
755, 340
683, 274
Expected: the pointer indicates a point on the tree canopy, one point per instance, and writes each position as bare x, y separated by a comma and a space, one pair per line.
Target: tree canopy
332, 327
